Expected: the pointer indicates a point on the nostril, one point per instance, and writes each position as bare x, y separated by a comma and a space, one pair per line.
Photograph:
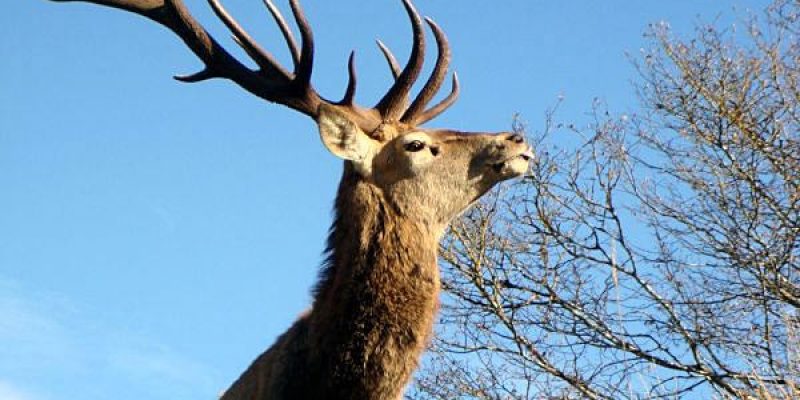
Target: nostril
516, 138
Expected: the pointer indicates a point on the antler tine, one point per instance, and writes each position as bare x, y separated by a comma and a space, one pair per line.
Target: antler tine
394, 67
390, 106
262, 57
440, 107
202, 75
350, 92
285, 30
304, 68
434, 82
390, 59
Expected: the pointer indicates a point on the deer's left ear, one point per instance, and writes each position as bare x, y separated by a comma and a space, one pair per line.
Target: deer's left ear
342, 137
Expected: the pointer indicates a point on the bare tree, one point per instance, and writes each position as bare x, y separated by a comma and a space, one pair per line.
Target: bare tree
657, 257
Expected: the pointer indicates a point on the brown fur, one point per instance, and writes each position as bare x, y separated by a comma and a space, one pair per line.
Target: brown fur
372, 313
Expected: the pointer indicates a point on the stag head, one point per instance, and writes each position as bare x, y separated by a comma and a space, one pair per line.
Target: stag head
427, 175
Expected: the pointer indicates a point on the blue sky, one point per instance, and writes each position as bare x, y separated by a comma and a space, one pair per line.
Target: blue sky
156, 236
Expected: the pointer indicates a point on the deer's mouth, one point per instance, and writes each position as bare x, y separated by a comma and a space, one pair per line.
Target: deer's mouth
515, 165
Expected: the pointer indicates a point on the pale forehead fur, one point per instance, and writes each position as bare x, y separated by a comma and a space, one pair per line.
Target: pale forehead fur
446, 135
416, 135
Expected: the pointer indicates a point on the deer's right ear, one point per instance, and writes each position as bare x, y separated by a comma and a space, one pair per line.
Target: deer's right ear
342, 137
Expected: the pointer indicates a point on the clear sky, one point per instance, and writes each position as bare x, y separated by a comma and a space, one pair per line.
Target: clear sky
156, 236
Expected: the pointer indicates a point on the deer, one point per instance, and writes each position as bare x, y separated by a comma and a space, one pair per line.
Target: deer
377, 294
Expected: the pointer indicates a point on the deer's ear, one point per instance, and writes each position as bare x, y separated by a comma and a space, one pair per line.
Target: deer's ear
342, 137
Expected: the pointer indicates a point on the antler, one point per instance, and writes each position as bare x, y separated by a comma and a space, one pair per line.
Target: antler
274, 83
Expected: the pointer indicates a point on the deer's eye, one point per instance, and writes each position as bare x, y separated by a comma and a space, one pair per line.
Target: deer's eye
414, 146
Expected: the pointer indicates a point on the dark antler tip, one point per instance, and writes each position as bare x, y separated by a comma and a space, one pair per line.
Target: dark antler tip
434, 26
455, 85
196, 77
350, 92
411, 10
409, 4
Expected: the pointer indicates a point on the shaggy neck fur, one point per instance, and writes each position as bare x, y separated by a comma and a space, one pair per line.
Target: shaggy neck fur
376, 298
373, 309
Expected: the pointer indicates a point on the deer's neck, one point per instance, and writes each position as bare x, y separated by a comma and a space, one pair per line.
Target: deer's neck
377, 296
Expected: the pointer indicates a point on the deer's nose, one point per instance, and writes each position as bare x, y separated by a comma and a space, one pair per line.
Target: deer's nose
516, 138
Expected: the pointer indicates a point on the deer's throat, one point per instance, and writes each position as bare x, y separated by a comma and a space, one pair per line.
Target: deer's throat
375, 303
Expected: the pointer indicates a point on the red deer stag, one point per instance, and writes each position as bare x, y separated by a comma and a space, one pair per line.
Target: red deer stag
376, 297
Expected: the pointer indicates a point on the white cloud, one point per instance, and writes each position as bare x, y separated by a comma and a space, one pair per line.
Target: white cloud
9, 391
31, 329
70, 353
